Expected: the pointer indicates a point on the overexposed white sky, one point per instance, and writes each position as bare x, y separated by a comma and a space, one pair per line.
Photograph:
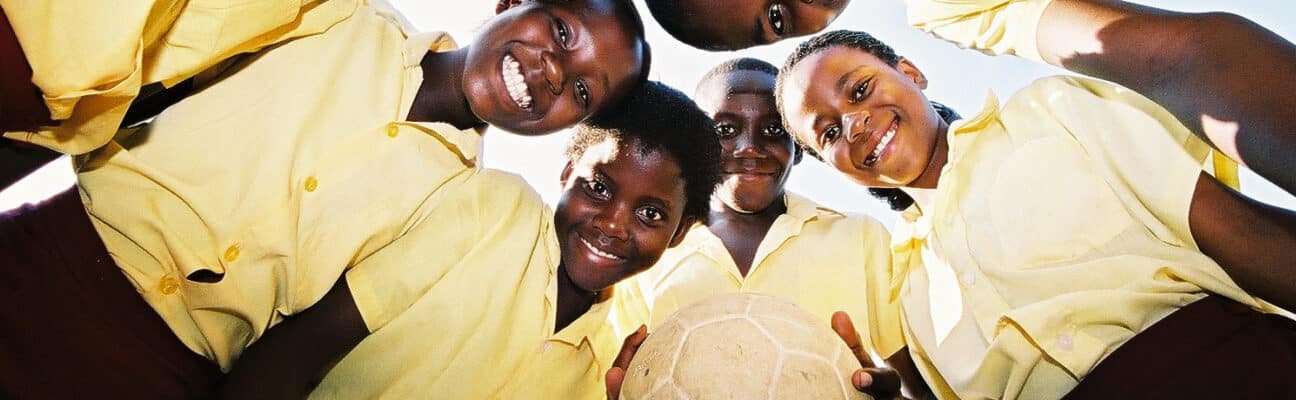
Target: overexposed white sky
959, 78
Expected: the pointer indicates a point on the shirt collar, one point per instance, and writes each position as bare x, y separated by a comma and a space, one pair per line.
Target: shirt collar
418, 45
588, 324
465, 143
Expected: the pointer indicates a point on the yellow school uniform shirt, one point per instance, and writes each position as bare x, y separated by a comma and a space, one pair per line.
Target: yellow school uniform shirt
1007, 27
820, 259
1059, 230
467, 311
245, 202
90, 58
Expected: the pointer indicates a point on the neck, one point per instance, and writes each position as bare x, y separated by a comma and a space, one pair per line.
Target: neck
922, 188
742, 233
441, 97
721, 214
572, 300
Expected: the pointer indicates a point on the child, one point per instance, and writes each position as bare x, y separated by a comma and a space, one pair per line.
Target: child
245, 202
516, 306
758, 238
1170, 57
1076, 224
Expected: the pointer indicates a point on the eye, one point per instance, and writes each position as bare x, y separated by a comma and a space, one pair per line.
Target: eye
774, 131
829, 136
562, 32
582, 93
776, 18
725, 131
861, 90
651, 214
597, 190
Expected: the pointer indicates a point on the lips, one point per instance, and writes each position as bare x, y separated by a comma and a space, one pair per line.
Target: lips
515, 82
881, 139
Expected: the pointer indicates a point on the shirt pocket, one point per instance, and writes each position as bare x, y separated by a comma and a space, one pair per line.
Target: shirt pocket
1048, 204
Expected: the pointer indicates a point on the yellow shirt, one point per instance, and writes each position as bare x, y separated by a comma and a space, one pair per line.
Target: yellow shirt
822, 260
90, 58
274, 179
463, 306
1007, 27
1059, 230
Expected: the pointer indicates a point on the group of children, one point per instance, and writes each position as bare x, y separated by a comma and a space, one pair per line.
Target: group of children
303, 213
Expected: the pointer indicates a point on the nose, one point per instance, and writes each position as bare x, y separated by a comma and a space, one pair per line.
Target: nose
610, 223
745, 146
855, 124
553, 72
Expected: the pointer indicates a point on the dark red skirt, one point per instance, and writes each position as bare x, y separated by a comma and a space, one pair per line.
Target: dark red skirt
73, 325
1214, 348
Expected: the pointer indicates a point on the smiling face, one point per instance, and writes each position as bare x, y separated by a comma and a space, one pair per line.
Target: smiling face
756, 153
739, 24
864, 117
540, 67
620, 209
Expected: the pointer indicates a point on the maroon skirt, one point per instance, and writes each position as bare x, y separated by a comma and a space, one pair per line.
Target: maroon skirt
73, 325
1214, 348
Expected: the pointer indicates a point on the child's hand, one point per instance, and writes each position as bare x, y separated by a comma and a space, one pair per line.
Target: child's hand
881, 383
616, 374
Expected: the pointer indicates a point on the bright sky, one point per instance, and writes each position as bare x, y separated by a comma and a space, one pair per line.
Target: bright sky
958, 78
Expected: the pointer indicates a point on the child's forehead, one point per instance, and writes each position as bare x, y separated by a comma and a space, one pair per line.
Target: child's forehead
719, 87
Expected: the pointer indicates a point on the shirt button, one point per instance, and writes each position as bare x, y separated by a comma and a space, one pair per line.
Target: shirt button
168, 285
392, 130
968, 278
544, 347
1064, 342
231, 253
311, 184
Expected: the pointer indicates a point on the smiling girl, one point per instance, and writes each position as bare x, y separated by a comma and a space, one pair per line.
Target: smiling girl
242, 204
1087, 247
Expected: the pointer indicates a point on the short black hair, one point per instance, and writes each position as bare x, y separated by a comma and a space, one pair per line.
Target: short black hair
661, 118
896, 198
740, 64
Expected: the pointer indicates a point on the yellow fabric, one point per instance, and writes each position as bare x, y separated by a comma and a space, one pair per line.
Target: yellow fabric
1059, 230
822, 260
274, 179
90, 58
990, 26
463, 307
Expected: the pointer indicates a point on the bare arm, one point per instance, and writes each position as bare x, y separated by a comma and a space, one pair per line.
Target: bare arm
292, 358
1222, 75
1255, 243
21, 105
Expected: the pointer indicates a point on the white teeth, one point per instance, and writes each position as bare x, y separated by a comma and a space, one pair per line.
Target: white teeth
598, 252
877, 151
516, 84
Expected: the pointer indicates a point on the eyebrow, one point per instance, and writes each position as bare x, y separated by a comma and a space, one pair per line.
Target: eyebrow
758, 34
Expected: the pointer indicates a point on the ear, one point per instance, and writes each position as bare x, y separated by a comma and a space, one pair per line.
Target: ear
566, 173
684, 227
797, 153
910, 70
503, 5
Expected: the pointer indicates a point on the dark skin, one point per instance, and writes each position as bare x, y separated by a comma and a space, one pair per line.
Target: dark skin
1221, 75
620, 209
757, 155
734, 25
1250, 240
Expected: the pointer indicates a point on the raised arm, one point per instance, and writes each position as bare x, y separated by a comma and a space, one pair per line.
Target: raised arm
293, 357
1252, 241
1223, 76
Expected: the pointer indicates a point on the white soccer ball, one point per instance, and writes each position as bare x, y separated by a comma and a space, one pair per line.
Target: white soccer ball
742, 346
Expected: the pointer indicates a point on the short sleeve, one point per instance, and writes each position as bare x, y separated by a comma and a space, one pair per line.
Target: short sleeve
1149, 159
482, 229
884, 326
991, 26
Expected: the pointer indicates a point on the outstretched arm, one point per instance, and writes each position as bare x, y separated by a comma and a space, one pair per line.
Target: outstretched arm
293, 357
21, 105
1223, 76
1252, 241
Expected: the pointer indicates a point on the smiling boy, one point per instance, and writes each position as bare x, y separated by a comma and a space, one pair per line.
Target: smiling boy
515, 306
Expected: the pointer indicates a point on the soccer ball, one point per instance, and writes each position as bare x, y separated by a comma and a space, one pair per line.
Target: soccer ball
742, 346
